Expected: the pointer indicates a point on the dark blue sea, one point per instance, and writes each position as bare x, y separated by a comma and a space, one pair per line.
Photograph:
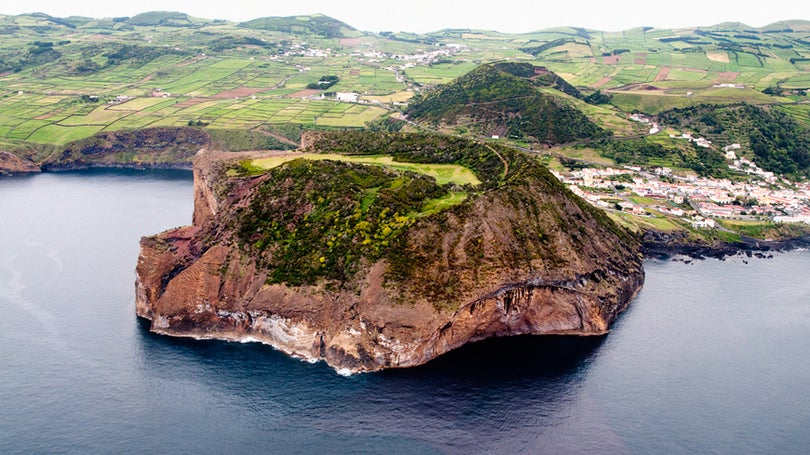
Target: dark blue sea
712, 357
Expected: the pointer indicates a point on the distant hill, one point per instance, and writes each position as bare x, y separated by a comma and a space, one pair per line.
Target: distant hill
792, 25
316, 24
165, 18
504, 100
39, 18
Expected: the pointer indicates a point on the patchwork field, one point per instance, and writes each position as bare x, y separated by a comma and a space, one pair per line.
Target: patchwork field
62, 80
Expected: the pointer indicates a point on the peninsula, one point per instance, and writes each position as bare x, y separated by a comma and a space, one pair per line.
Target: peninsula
371, 262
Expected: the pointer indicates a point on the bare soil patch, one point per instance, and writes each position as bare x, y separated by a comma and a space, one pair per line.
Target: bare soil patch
728, 76
610, 60
721, 57
662, 75
601, 82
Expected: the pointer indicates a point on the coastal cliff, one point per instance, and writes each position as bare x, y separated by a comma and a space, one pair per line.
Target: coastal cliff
161, 147
323, 260
13, 164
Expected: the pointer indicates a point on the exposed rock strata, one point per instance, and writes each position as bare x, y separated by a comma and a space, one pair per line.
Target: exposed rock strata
149, 148
145, 148
198, 280
13, 164
663, 244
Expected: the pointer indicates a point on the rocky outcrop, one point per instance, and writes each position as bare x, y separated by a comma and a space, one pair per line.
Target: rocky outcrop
521, 257
149, 148
145, 148
13, 164
664, 244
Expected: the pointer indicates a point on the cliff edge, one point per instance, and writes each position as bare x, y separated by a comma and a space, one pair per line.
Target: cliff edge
384, 253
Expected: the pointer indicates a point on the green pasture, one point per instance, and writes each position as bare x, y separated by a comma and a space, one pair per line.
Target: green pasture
439, 74
436, 205
637, 223
800, 112
585, 154
649, 104
443, 173
57, 134
50, 109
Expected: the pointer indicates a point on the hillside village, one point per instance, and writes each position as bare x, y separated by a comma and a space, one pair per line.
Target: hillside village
698, 201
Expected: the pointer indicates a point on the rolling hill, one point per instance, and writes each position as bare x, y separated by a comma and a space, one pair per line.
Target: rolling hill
314, 24
503, 100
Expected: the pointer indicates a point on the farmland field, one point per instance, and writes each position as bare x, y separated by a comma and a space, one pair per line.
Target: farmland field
107, 76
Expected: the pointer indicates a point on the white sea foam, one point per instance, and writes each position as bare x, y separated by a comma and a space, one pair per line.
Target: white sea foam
344, 372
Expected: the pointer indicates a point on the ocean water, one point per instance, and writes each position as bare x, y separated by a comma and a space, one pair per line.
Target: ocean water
713, 356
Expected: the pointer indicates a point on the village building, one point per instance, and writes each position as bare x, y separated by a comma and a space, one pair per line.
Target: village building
348, 97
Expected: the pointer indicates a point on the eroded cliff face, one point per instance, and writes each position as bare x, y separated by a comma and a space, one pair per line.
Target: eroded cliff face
515, 259
13, 164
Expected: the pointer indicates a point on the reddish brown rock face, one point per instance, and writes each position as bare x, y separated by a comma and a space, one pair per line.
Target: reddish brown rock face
197, 281
12, 164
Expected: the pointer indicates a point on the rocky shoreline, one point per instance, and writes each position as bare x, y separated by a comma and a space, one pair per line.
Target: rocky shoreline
151, 148
663, 245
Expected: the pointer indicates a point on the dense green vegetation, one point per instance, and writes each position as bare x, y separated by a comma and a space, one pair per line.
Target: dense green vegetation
324, 82
539, 76
453, 174
320, 221
38, 53
315, 219
483, 160
315, 24
240, 140
776, 142
352, 212
165, 18
496, 102
644, 152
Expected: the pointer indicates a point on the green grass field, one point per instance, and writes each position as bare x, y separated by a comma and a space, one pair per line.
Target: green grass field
233, 77
443, 173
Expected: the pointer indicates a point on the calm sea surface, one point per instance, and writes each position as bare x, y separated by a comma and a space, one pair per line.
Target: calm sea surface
713, 356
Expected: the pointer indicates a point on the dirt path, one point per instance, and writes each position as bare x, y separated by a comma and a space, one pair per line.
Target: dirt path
503, 160
280, 138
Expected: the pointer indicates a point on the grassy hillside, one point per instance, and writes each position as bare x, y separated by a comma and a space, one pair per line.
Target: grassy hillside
492, 101
770, 137
329, 218
315, 24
